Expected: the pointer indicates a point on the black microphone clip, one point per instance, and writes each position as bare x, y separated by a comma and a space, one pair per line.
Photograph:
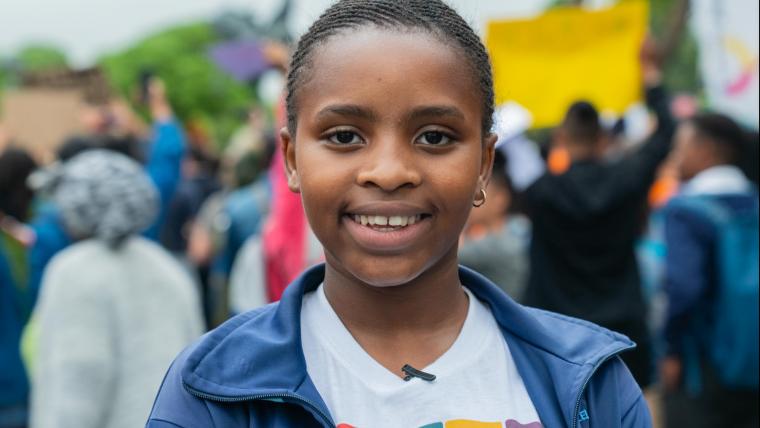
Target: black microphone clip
412, 372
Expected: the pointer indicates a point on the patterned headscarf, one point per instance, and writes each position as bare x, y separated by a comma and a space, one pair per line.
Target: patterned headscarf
105, 195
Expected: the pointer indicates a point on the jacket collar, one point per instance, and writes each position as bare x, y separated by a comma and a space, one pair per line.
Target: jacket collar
721, 179
555, 355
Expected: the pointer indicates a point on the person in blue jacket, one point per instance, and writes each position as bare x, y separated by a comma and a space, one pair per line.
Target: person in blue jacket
388, 141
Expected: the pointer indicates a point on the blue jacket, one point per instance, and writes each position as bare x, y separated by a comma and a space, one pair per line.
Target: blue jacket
251, 372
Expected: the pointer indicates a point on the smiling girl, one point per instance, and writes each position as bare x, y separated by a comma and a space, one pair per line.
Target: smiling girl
388, 142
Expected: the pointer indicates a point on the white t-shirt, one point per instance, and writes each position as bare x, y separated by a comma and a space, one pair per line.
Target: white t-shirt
476, 385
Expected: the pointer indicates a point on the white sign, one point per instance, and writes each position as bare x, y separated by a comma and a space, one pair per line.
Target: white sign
727, 34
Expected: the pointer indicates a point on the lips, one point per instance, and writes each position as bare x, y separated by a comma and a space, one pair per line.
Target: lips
386, 227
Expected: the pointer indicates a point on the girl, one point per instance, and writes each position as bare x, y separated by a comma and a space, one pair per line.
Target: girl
389, 111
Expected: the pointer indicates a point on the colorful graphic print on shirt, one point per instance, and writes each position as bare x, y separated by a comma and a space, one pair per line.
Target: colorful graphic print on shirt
463, 423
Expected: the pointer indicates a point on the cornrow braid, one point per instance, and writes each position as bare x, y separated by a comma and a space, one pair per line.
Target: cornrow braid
433, 16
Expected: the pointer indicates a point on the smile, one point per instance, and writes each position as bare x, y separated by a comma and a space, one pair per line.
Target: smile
387, 233
386, 223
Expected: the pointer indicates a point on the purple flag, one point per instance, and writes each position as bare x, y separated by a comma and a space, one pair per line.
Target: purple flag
244, 60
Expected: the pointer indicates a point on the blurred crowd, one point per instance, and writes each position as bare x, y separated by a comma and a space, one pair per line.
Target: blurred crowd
137, 240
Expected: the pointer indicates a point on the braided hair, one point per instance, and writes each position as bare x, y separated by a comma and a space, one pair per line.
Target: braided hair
432, 16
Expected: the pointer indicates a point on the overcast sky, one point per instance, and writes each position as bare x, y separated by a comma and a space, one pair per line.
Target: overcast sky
86, 29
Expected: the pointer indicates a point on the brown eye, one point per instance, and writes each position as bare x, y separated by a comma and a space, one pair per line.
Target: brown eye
345, 138
434, 138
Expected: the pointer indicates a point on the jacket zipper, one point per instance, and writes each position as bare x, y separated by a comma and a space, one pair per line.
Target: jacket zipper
576, 413
283, 396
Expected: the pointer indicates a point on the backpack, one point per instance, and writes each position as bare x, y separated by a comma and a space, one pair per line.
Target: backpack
731, 322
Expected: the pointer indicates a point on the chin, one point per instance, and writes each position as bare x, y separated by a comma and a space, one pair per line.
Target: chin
391, 274
384, 272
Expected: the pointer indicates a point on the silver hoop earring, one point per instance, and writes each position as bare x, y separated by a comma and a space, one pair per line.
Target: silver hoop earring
483, 201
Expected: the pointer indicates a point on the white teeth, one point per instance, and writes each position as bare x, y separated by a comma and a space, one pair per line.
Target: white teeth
391, 221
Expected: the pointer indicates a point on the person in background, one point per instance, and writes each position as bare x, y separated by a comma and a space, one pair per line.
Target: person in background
228, 217
244, 210
114, 307
586, 221
247, 206
284, 247
495, 242
165, 153
710, 372
199, 172
111, 129
50, 234
15, 297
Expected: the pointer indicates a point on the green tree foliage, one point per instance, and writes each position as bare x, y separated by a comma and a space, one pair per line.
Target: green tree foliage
197, 89
40, 57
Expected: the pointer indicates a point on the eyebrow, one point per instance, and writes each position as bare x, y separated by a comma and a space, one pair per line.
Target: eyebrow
353, 110
436, 111
350, 110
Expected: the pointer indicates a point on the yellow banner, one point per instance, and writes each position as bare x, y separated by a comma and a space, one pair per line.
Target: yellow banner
568, 54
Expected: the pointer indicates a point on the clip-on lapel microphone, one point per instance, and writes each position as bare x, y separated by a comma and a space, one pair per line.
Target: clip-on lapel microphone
412, 372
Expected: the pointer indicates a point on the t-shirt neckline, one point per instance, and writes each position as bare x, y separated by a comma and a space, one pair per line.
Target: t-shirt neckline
350, 353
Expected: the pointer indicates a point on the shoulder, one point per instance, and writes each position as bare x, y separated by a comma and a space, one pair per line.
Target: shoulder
591, 359
613, 398
175, 405
547, 334
79, 258
179, 401
153, 256
575, 340
572, 359
689, 212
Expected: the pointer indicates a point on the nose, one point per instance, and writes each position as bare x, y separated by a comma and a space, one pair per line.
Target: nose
390, 165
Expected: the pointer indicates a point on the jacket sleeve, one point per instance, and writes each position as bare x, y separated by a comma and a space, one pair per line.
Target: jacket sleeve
639, 169
74, 367
164, 165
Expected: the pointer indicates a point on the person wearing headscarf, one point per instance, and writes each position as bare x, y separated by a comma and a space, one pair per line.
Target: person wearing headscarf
114, 307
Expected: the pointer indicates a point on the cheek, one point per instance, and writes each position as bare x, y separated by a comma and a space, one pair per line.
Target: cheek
455, 181
321, 179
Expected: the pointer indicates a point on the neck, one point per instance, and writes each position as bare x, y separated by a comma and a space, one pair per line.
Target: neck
423, 304
413, 323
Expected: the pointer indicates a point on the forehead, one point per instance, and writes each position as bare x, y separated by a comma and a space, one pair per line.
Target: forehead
390, 68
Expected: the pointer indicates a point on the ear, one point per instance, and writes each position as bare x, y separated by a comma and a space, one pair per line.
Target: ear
289, 154
486, 162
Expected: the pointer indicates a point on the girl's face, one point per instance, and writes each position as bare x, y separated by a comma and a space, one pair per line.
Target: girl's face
388, 153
